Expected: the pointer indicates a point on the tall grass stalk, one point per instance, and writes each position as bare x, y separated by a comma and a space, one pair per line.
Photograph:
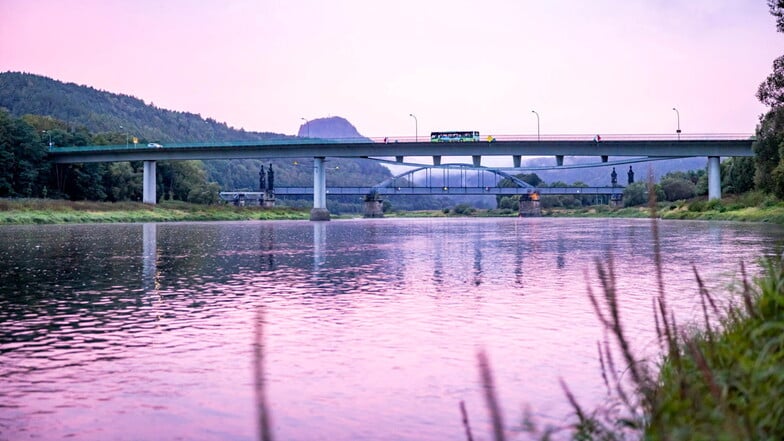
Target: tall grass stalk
722, 381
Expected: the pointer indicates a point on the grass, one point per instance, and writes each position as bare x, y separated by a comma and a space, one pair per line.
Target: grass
750, 207
48, 211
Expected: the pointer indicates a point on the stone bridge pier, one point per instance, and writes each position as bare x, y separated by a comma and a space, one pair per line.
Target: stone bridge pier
374, 205
529, 205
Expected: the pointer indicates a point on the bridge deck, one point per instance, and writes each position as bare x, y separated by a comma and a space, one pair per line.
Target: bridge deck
361, 191
322, 148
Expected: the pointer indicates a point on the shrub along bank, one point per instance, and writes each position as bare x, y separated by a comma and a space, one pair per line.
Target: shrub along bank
48, 211
749, 207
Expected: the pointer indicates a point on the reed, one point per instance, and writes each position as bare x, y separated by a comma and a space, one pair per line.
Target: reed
719, 381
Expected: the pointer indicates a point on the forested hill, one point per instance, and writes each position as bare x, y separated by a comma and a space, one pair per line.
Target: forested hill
100, 111
63, 108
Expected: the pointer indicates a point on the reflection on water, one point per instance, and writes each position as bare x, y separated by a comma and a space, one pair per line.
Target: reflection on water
144, 331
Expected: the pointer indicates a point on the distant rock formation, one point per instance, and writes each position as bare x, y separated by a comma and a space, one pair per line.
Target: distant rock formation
333, 127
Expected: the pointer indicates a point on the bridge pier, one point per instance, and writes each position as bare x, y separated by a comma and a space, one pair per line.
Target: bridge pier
529, 205
148, 183
374, 205
516, 161
714, 178
319, 211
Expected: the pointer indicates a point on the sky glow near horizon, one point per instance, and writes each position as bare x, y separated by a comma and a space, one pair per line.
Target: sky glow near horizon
605, 66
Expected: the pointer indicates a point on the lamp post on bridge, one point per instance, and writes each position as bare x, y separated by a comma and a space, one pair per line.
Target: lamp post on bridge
537, 124
678, 115
50, 136
416, 127
307, 126
126, 136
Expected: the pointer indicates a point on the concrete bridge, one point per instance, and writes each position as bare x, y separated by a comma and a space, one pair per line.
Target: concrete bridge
712, 147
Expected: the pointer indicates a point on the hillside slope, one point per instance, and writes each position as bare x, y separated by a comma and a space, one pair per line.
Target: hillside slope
106, 112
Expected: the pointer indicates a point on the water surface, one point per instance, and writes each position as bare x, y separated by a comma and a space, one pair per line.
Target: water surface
145, 331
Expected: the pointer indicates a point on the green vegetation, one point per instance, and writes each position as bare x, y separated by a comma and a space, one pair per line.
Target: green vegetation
39, 211
722, 381
36, 111
727, 384
748, 207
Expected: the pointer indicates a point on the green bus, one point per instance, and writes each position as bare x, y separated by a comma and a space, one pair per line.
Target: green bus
454, 136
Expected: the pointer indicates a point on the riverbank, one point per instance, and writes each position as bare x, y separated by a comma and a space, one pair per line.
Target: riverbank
49, 211
752, 207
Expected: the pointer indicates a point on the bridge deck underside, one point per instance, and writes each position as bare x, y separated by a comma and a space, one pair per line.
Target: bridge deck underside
642, 148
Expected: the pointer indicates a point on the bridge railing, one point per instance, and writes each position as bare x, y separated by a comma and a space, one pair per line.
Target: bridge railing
586, 137
444, 190
403, 139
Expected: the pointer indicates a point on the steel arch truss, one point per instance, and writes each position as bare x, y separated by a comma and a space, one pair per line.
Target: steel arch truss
428, 177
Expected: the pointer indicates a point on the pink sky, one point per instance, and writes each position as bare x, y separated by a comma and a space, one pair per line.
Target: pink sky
605, 66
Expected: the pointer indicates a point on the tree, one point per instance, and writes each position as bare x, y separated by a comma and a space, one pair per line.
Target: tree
23, 167
771, 91
637, 194
766, 147
677, 188
737, 175
777, 10
122, 182
769, 140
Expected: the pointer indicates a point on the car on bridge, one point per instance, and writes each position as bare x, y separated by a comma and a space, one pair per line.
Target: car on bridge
154, 144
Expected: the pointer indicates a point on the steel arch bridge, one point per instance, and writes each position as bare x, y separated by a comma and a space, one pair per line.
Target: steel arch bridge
464, 178
442, 180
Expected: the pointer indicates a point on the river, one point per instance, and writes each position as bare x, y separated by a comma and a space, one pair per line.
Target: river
371, 327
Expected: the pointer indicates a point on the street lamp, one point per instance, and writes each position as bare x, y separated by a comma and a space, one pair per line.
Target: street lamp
537, 124
416, 127
678, 131
126, 136
50, 137
307, 126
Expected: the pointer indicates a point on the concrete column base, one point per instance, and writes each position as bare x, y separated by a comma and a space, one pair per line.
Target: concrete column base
319, 214
374, 208
267, 199
530, 209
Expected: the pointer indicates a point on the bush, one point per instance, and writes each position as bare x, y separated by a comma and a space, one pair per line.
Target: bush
698, 206
678, 188
635, 194
714, 204
463, 209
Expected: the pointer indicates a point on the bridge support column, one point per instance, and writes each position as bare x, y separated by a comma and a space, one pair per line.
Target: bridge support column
148, 183
436, 160
516, 161
319, 211
714, 178
477, 159
374, 205
559, 160
529, 205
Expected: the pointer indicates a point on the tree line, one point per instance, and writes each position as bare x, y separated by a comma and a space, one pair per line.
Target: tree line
26, 171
